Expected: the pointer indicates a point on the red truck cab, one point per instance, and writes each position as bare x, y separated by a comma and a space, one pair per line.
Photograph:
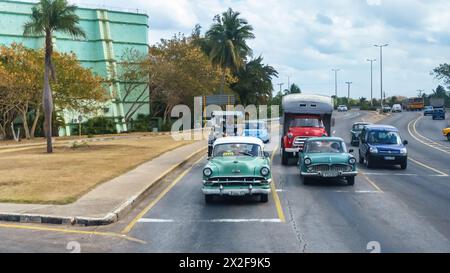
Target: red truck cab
303, 116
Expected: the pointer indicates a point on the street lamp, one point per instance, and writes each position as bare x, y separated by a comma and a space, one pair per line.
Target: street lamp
348, 90
335, 81
381, 71
371, 79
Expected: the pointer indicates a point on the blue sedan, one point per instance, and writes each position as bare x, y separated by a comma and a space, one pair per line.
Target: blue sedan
257, 128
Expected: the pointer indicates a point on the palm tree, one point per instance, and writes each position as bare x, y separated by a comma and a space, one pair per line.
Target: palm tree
293, 89
227, 39
47, 17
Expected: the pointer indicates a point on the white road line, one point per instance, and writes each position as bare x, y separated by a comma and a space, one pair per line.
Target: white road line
407, 174
231, 220
368, 191
426, 141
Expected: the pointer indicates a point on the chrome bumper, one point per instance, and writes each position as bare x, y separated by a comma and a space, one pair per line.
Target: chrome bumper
235, 192
320, 174
292, 150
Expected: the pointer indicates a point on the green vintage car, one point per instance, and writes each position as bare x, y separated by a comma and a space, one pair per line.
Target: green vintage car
356, 131
327, 157
238, 166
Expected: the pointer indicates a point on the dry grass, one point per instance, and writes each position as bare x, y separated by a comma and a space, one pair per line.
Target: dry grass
32, 176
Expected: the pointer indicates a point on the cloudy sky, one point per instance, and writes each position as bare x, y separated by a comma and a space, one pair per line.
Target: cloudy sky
305, 39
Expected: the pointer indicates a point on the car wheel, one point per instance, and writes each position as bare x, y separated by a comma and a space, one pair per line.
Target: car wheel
448, 136
404, 165
369, 163
350, 180
306, 180
361, 159
263, 198
284, 157
209, 198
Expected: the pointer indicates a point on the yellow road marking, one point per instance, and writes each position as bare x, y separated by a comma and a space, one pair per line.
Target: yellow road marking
130, 226
73, 231
275, 196
432, 143
428, 167
371, 182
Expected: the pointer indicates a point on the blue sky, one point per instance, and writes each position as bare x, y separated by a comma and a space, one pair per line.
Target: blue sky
306, 39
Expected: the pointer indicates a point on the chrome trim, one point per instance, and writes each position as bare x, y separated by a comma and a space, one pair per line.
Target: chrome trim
320, 174
235, 192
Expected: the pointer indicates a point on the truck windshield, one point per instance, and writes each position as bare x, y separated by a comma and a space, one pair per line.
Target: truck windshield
237, 149
384, 137
325, 146
305, 122
255, 125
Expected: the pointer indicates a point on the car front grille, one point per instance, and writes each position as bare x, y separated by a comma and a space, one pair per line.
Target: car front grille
233, 179
299, 141
332, 168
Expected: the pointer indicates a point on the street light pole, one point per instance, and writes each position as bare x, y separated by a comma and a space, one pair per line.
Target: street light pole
371, 79
335, 81
281, 85
381, 71
348, 90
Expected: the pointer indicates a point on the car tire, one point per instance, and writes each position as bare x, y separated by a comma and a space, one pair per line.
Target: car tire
264, 198
350, 180
360, 158
284, 157
404, 165
369, 163
448, 137
306, 180
209, 198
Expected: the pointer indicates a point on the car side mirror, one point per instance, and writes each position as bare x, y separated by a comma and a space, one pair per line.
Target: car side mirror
351, 151
405, 142
266, 154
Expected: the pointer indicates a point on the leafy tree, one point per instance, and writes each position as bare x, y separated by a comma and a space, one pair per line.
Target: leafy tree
254, 85
293, 89
227, 42
439, 92
442, 72
47, 17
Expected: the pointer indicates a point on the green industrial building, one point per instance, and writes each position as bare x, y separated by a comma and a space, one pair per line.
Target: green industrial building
108, 34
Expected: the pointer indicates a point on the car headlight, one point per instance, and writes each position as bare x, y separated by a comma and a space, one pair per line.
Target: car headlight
207, 172
307, 161
352, 160
403, 151
373, 150
265, 171
290, 135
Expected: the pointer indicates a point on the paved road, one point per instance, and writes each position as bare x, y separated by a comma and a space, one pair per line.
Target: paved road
401, 210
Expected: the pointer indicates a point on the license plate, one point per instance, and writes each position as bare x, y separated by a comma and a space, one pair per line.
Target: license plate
330, 174
236, 193
389, 157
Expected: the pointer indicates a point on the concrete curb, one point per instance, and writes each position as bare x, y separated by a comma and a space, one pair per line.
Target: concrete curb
109, 218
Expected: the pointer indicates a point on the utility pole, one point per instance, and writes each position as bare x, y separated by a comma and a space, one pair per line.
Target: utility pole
281, 85
371, 79
335, 81
381, 71
348, 90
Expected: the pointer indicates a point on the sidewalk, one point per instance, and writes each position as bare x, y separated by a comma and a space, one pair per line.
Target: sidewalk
109, 201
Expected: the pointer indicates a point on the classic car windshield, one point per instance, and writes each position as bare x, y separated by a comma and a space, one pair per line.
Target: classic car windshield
305, 122
358, 127
237, 149
383, 137
325, 146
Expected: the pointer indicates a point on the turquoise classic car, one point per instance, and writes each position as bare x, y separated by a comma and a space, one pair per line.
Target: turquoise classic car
327, 157
238, 166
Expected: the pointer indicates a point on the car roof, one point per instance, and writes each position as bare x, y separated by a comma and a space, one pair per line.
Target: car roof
324, 138
380, 127
362, 122
239, 139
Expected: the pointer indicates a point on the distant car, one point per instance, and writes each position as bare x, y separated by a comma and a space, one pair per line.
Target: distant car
238, 166
356, 131
382, 144
342, 108
327, 157
386, 108
428, 110
438, 113
257, 128
396, 108
446, 132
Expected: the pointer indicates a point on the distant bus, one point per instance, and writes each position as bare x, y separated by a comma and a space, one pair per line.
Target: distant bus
413, 104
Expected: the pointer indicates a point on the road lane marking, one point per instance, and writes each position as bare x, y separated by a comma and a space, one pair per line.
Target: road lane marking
428, 142
428, 167
130, 226
275, 196
371, 182
72, 231
369, 191
225, 220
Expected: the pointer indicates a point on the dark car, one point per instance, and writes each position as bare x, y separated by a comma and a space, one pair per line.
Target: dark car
382, 144
428, 110
356, 131
438, 113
